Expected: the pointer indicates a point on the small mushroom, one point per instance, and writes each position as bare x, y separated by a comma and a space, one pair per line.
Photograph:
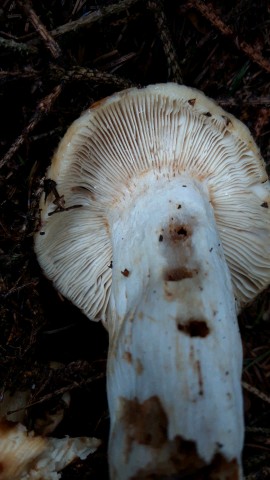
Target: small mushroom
144, 165
26, 455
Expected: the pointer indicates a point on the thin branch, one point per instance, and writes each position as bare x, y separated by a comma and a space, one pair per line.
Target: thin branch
263, 101
61, 391
92, 75
50, 43
88, 20
256, 461
10, 45
256, 392
18, 74
258, 430
17, 289
262, 474
208, 11
174, 71
43, 108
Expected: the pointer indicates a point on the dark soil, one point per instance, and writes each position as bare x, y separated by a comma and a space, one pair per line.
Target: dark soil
50, 71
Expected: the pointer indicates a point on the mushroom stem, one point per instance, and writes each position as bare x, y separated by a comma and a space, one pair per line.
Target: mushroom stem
175, 356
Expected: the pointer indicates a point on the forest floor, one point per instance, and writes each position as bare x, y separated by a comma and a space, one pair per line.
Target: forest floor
56, 59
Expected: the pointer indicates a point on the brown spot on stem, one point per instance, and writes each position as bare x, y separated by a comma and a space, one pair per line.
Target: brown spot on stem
264, 205
167, 293
179, 232
125, 272
192, 101
146, 422
193, 327
200, 378
176, 274
139, 367
183, 462
127, 356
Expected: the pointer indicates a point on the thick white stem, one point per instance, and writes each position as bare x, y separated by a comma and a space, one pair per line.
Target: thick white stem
175, 357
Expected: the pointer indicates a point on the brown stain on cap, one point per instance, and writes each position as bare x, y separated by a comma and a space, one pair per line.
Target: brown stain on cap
98, 103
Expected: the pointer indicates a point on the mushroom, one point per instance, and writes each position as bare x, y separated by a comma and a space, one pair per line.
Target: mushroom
24, 455
157, 223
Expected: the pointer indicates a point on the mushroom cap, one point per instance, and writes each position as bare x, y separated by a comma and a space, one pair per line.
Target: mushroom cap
161, 127
26, 456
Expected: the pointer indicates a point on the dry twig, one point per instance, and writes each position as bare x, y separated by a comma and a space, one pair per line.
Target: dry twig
61, 391
45, 105
9, 45
263, 474
174, 72
92, 75
88, 20
259, 430
43, 108
208, 11
263, 101
256, 392
50, 43
18, 74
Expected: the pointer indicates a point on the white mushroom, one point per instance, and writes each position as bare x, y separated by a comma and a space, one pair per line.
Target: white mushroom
27, 456
158, 224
